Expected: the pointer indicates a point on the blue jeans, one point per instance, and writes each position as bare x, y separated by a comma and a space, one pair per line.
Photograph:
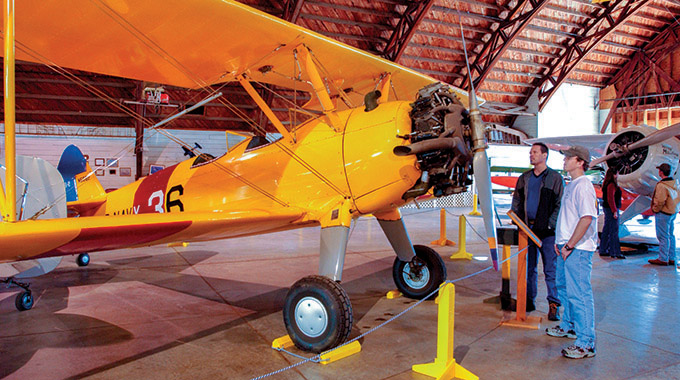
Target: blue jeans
664, 233
549, 264
576, 294
609, 244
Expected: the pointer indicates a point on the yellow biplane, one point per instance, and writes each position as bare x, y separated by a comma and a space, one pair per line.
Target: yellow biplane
381, 135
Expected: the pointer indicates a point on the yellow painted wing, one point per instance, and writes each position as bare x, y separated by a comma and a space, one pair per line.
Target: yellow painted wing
58, 237
193, 44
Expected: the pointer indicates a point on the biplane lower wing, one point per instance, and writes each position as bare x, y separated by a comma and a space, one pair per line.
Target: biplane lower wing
58, 237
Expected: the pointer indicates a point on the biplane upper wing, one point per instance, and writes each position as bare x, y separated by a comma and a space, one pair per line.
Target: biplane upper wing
58, 237
194, 44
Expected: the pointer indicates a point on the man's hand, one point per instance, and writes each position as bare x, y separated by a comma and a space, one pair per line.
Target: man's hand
616, 215
565, 252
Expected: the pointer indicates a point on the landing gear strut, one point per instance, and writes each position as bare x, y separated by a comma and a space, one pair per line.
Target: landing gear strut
24, 300
420, 276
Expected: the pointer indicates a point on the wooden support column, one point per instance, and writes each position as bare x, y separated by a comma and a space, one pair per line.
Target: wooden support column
139, 133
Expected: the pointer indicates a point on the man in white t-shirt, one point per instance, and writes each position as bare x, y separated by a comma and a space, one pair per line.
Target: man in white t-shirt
575, 243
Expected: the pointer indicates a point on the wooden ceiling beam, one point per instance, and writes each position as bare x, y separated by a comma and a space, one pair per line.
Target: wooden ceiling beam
291, 10
372, 12
502, 38
610, 19
448, 37
341, 21
405, 29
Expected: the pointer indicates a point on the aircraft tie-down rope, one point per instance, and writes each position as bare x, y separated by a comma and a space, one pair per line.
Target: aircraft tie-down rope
317, 358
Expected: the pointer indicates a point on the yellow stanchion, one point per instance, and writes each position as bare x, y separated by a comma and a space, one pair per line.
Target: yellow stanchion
474, 206
444, 366
461, 253
443, 241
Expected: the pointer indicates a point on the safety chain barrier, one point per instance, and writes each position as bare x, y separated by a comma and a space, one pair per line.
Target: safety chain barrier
317, 358
468, 223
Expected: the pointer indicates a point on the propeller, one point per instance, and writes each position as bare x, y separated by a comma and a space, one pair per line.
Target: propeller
480, 165
651, 139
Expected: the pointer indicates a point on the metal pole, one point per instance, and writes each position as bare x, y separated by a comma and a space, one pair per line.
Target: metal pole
10, 139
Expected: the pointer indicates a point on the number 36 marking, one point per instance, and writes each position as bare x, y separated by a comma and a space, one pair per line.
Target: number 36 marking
156, 199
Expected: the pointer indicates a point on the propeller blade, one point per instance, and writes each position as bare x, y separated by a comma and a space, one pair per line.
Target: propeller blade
480, 164
651, 139
656, 137
604, 158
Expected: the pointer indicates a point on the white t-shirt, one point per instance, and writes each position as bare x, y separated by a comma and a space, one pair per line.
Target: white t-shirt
578, 200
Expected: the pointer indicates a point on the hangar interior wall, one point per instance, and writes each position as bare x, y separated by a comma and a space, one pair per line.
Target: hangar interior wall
117, 143
571, 111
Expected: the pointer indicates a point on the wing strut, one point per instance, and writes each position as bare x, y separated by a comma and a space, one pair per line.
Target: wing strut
9, 209
265, 108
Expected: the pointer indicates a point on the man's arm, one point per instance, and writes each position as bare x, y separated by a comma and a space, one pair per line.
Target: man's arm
579, 232
518, 198
558, 188
658, 199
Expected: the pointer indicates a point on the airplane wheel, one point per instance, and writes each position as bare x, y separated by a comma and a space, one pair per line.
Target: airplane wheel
24, 301
83, 259
422, 275
317, 314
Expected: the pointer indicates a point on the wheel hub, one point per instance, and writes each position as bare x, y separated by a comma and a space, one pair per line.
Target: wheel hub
416, 275
311, 317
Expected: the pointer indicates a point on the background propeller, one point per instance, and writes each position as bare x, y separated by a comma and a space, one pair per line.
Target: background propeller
651, 139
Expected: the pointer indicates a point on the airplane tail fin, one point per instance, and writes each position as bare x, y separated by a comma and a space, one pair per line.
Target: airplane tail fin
81, 184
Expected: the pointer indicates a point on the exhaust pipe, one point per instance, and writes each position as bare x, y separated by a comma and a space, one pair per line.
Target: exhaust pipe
454, 143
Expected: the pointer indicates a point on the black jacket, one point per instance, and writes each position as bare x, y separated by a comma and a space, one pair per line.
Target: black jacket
548, 204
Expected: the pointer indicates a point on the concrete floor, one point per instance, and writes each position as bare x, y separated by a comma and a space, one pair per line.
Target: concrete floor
211, 310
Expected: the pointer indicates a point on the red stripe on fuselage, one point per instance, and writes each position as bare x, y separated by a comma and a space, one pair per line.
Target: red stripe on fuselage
150, 195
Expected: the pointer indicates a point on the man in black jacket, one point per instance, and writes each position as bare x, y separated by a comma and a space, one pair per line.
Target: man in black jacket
537, 201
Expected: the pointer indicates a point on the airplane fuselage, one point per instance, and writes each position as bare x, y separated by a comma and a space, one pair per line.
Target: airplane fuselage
323, 167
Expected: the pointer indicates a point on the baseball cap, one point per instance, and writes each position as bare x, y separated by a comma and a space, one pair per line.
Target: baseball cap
578, 151
664, 168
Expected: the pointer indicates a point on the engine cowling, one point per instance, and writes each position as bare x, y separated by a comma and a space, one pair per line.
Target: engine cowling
638, 169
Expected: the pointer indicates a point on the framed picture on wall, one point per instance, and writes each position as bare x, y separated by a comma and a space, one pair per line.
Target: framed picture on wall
125, 172
98, 162
112, 162
155, 168
99, 172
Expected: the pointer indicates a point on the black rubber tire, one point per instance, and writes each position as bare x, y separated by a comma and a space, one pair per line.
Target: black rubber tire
420, 287
24, 301
331, 299
83, 259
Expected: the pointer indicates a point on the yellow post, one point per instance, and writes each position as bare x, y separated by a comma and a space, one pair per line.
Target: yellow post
10, 142
444, 365
474, 206
461, 253
443, 241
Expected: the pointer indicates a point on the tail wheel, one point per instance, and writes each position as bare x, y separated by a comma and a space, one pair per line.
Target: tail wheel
317, 314
24, 301
83, 259
422, 275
